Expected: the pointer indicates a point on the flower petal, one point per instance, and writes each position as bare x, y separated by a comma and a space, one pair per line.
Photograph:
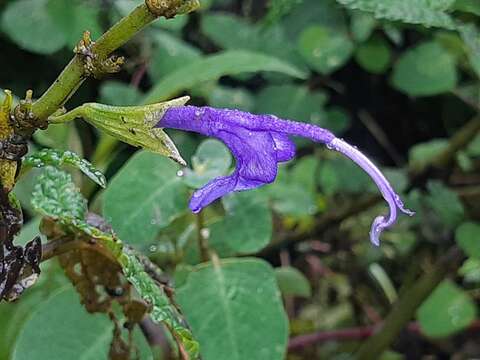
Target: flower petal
214, 190
284, 147
390, 196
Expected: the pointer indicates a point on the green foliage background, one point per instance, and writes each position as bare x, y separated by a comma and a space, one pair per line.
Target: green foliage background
396, 78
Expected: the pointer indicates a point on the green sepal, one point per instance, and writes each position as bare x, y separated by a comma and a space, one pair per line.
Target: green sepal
133, 125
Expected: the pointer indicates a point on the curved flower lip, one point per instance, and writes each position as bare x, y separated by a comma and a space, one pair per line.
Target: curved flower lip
259, 143
390, 196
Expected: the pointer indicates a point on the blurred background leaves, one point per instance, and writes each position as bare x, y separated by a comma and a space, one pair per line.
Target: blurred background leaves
397, 78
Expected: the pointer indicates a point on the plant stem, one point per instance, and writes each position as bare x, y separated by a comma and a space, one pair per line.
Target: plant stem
74, 73
407, 305
202, 241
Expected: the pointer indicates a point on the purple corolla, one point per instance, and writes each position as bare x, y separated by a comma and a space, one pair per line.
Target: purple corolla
259, 143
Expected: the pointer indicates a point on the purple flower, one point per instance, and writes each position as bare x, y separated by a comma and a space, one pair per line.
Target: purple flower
259, 143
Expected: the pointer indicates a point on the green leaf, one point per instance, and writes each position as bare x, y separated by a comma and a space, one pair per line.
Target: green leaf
425, 70
215, 66
162, 310
233, 33
231, 98
467, 237
325, 13
81, 335
54, 136
446, 311
378, 273
324, 49
445, 203
471, 6
172, 54
292, 282
29, 25
293, 193
293, 102
471, 38
56, 196
72, 18
246, 227
341, 175
424, 12
59, 158
422, 153
134, 125
374, 55
29, 231
362, 25
144, 196
240, 297
119, 94
211, 160
470, 270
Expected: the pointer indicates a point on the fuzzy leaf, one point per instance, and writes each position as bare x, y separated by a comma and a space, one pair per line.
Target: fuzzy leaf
56, 196
59, 158
425, 12
162, 309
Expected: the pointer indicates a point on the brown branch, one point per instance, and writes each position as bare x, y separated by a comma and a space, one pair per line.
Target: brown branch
356, 333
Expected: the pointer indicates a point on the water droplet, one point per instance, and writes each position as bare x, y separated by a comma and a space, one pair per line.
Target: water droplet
205, 232
180, 173
153, 248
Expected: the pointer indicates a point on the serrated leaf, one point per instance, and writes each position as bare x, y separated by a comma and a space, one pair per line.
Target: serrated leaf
134, 125
467, 237
59, 158
247, 226
144, 196
56, 196
292, 282
425, 70
212, 159
215, 66
425, 12
446, 311
162, 311
240, 297
28, 24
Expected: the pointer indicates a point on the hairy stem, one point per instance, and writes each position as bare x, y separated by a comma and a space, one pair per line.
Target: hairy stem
74, 73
